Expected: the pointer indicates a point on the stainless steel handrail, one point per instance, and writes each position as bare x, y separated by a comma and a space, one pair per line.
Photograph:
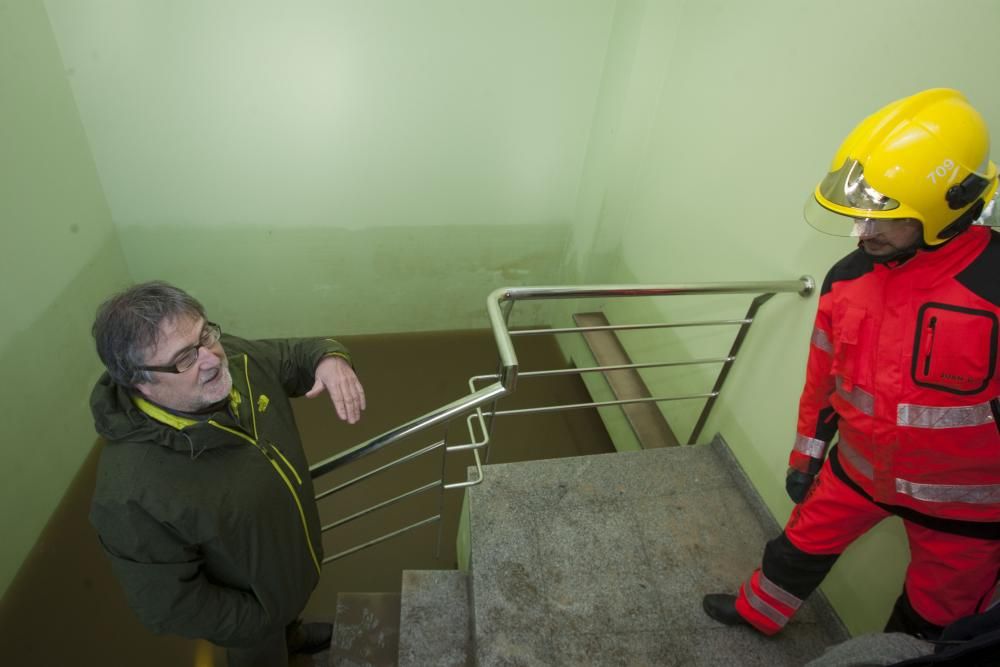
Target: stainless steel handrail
439, 416
624, 327
501, 300
499, 306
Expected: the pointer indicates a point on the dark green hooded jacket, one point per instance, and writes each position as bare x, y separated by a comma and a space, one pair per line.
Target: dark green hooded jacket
211, 525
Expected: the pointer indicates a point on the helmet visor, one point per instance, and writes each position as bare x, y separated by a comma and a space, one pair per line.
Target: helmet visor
847, 187
990, 217
837, 224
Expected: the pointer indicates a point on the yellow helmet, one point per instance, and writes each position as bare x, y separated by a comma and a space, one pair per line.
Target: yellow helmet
924, 157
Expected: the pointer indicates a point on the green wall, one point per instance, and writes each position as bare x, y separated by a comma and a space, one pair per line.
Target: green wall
60, 256
352, 167
717, 122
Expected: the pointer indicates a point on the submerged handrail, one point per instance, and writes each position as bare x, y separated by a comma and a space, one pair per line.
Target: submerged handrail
499, 305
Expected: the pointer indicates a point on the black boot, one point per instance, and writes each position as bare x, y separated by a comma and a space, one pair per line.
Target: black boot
722, 608
308, 638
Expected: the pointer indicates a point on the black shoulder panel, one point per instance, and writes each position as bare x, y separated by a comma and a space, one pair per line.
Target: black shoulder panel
982, 276
853, 266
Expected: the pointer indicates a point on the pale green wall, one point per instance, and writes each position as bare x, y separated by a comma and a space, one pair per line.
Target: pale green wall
344, 166
60, 255
719, 121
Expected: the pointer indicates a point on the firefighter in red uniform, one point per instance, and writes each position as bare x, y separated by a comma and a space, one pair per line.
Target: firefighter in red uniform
903, 365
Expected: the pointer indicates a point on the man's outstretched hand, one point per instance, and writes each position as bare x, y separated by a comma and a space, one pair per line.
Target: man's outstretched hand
336, 376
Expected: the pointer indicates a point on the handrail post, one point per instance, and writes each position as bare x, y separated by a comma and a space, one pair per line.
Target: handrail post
444, 481
728, 364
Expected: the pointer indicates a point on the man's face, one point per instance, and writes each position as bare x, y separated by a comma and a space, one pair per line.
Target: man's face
889, 237
204, 384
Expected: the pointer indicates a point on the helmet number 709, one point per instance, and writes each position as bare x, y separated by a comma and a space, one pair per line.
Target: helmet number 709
941, 171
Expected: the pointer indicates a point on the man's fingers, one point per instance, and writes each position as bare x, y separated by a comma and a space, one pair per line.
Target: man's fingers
361, 394
346, 392
354, 397
338, 404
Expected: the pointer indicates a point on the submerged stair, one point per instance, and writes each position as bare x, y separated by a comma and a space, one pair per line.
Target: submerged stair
603, 560
365, 630
648, 423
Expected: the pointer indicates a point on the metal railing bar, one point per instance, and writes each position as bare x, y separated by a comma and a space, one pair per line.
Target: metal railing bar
348, 552
599, 404
614, 367
724, 371
443, 414
441, 491
625, 327
475, 444
375, 471
471, 482
496, 304
385, 503
803, 284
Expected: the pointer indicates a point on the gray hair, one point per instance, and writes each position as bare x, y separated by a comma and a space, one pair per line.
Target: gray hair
128, 325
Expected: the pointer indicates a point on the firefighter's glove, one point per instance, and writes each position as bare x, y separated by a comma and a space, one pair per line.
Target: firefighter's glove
797, 484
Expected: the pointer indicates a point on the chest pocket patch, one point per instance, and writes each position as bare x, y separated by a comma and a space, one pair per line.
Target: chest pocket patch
955, 348
848, 347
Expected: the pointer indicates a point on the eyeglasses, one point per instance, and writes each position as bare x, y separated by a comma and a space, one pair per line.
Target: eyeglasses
187, 357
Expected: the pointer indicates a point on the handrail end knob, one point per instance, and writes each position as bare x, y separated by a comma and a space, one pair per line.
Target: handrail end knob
808, 285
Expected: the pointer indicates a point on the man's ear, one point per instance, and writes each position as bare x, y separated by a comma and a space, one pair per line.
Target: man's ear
142, 388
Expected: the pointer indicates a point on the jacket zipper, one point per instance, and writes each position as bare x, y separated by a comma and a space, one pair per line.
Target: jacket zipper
930, 345
287, 463
288, 483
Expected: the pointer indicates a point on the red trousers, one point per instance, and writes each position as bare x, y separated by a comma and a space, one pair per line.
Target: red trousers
949, 576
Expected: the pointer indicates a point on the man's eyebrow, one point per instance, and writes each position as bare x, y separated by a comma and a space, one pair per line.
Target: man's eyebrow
173, 358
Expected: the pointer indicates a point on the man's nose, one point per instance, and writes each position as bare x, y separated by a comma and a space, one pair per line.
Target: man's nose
206, 358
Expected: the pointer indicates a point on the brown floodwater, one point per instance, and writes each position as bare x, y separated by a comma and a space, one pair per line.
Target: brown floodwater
65, 608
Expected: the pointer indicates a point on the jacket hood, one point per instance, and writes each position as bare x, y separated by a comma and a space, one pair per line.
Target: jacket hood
118, 419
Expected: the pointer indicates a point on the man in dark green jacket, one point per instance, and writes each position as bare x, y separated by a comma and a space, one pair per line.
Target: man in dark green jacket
204, 501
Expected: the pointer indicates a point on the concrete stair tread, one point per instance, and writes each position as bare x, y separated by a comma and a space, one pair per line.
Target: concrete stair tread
365, 630
604, 560
434, 619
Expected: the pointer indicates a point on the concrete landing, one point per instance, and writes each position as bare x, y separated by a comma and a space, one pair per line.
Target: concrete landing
603, 560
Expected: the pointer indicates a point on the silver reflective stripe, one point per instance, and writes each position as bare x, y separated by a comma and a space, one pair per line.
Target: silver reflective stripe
778, 593
861, 464
857, 397
810, 446
821, 340
974, 494
767, 610
923, 416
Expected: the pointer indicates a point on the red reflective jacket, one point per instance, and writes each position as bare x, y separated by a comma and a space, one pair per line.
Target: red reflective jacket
903, 362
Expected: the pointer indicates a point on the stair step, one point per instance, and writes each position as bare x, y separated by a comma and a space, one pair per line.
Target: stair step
434, 619
648, 423
604, 560
365, 630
